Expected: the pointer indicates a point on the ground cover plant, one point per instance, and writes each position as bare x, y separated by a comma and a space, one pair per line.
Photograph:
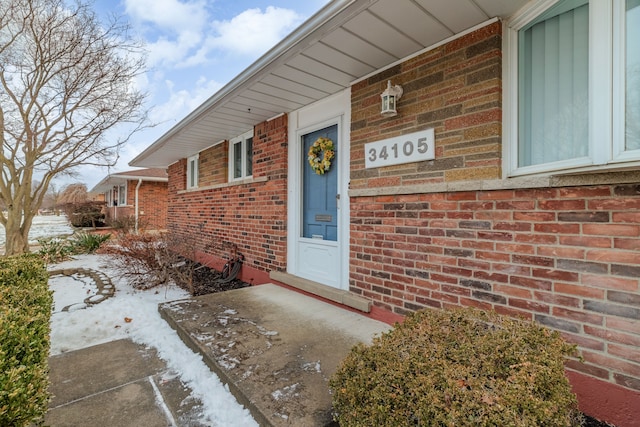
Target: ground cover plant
25, 310
56, 249
462, 367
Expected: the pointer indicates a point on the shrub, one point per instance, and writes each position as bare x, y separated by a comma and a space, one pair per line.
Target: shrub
54, 250
88, 243
25, 310
57, 250
149, 260
125, 224
457, 368
85, 213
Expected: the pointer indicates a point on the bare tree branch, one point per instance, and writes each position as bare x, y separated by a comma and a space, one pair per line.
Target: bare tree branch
67, 86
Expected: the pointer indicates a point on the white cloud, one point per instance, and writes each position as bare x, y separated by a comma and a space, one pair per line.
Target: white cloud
171, 15
181, 102
182, 34
253, 32
182, 26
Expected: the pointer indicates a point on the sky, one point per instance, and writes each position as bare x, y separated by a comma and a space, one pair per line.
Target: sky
194, 48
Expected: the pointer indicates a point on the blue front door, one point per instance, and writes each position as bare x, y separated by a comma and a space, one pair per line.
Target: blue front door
319, 198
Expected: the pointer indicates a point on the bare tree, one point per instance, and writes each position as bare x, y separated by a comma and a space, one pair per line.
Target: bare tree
73, 193
66, 87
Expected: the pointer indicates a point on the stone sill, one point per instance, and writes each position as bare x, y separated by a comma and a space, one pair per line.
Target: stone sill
547, 181
332, 294
225, 185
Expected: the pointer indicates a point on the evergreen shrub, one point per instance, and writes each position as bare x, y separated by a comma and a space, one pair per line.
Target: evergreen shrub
25, 311
463, 367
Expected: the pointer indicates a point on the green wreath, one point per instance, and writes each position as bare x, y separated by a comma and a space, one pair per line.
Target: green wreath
321, 147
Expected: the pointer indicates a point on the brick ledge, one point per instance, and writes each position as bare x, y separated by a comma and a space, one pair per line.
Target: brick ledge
548, 181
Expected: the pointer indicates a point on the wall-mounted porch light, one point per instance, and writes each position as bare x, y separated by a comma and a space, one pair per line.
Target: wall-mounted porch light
390, 98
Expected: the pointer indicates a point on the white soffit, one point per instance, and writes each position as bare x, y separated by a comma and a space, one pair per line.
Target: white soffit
343, 42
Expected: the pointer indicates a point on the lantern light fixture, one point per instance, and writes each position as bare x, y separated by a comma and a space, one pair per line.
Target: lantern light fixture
390, 98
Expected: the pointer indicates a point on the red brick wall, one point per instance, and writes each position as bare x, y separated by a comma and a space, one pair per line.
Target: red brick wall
152, 200
251, 215
568, 257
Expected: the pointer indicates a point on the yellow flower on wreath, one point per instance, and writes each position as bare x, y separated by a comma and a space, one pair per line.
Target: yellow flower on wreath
324, 146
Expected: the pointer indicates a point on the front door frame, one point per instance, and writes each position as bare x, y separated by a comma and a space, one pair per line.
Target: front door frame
331, 111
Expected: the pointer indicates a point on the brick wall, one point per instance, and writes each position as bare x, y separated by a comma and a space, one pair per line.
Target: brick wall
567, 257
152, 200
455, 89
251, 215
213, 165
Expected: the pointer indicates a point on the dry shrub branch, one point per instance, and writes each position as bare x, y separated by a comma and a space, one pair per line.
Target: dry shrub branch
150, 260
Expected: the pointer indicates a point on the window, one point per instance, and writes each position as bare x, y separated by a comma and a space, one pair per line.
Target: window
632, 75
241, 157
573, 89
122, 195
192, 171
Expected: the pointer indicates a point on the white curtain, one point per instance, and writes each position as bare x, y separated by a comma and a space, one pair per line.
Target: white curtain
553, 72
632, 78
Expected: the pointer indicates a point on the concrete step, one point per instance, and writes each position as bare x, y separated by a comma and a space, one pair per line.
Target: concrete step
118, 383
275, 348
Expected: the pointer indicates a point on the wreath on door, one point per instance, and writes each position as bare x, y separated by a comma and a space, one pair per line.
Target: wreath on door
320, 155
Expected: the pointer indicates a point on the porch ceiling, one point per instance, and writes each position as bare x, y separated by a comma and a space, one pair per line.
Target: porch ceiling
343, 42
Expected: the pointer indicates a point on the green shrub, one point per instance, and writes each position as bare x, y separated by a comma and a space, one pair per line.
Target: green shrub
54, 250
88, 243
457, 368
25, 310
57, 250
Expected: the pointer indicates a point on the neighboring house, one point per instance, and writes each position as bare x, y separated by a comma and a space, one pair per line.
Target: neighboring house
139, 196
509, 178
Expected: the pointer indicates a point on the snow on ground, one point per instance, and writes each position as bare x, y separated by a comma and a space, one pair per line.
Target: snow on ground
45, 226
134, 314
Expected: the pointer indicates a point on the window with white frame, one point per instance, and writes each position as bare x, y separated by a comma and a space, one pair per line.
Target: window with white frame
573, 94
241, 157
122, 195
192, 171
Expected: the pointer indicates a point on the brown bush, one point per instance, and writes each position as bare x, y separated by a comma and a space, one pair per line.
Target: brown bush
148, 260
457, 368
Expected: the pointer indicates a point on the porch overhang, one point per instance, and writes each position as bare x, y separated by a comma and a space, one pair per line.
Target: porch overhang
344, 42
116, 179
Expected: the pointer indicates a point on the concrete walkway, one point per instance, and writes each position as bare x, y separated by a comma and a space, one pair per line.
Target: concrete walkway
274, 347
117, 384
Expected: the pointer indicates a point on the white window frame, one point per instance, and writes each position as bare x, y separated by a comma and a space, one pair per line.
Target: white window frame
606, 92
242, 140
122, 194
192, 171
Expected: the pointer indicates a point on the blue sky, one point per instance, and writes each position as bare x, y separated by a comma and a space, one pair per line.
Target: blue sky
194, 48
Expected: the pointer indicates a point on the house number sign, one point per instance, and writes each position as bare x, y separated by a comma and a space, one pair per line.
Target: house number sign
413, 147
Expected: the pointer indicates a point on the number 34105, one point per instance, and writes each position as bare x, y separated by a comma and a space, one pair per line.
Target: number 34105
409, 148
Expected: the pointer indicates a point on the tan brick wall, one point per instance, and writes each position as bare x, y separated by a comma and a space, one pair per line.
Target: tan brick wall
213, 165
455, 89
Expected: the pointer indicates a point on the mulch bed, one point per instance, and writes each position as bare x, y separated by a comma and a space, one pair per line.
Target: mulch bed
208, 281
592, 422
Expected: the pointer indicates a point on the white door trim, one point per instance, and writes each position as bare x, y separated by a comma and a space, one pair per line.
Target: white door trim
330, 111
